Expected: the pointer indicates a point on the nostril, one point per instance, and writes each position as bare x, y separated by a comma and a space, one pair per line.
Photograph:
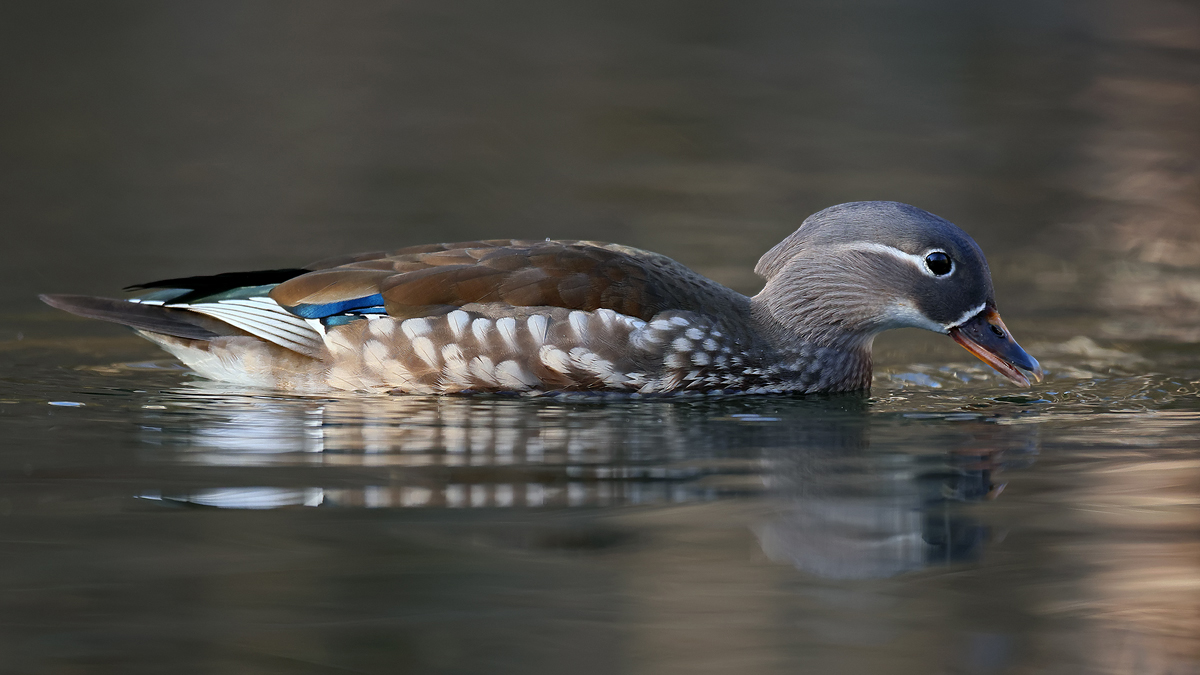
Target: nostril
997, 330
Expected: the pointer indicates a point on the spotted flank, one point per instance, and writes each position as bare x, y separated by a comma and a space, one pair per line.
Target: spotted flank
534, 352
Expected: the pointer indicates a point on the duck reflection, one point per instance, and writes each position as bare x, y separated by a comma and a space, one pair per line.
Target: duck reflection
894, 504
839, 491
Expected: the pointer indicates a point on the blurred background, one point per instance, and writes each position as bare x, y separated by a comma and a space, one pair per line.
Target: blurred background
149, 522
145, 139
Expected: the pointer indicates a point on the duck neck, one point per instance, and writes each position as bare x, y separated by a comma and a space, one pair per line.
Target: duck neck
793, 323
815, 331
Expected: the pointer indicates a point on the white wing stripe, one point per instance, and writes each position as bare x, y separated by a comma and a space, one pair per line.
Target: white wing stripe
252, 316
272, 312
263, 318
283, 340
258, 325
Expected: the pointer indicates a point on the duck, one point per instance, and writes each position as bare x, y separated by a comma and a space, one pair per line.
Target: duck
544, 317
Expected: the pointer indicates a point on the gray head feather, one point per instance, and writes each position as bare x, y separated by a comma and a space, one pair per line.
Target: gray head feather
855, 269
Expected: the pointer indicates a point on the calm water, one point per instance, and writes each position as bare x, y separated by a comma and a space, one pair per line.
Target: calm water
948, 523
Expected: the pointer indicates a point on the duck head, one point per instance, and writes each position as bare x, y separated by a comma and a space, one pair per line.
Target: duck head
854, 270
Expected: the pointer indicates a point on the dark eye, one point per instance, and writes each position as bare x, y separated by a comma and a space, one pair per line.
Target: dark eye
939, 263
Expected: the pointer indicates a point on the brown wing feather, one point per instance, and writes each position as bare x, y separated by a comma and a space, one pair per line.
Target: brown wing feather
408, 251
581, 275
330, 285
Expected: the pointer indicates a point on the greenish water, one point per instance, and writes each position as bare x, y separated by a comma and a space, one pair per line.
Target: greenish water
947, 523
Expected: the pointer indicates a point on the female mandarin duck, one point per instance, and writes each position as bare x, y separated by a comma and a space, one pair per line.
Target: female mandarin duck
558, 316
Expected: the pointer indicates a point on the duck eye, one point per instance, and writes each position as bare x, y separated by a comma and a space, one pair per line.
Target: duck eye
939, 263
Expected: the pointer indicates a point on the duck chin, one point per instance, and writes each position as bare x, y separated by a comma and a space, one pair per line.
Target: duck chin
902, 313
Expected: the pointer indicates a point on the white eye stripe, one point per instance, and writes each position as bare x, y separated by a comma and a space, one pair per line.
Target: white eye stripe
911, 314
916, 260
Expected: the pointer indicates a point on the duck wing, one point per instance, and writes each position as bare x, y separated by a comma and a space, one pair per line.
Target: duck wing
292, 307
435, 279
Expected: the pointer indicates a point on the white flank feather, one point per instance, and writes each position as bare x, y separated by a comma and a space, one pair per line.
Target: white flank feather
458, 321
508, 330
537, 326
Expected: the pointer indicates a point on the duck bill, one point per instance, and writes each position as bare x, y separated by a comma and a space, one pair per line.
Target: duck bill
986, 336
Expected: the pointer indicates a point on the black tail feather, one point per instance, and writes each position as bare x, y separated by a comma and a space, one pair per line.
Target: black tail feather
152, 318
204, 286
